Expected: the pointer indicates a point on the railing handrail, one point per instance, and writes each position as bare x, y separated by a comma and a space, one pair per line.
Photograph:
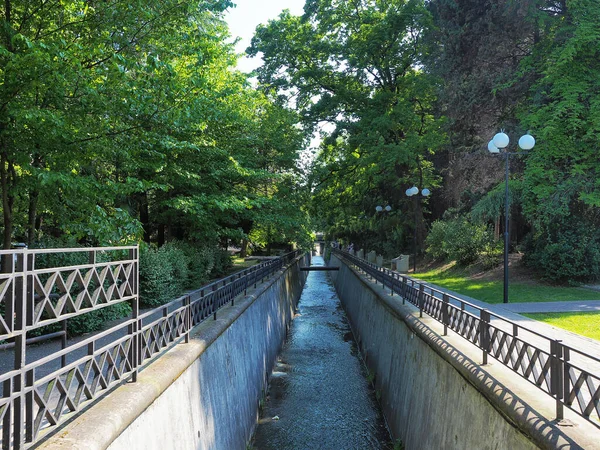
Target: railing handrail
35, 400
565, 380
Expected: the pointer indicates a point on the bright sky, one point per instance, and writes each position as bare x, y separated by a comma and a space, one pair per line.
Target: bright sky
248, 14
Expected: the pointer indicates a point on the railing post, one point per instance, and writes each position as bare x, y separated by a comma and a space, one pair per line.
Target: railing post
484, 333
566, 378
20, 299
445, 313
556, 376
135, 328
214, 302
421, 299
29, 401
188, 318
404, 288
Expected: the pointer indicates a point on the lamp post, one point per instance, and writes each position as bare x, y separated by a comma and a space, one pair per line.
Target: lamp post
412, 192
381, 209
495, 146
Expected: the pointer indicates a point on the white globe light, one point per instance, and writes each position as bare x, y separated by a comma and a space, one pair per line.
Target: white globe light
378, 208
414, 190
501, 140
526, 142
388, 208
425, 192
492, 148
409, 192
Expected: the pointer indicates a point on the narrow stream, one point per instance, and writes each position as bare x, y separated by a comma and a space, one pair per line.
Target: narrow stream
319, 396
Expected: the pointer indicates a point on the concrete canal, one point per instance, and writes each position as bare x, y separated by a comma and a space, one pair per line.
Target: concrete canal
319, 395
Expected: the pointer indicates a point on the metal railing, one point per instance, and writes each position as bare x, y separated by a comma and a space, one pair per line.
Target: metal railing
37, 290
569, 375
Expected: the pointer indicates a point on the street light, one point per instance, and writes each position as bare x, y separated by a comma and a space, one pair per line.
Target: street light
413, 191
495, 146
379, 209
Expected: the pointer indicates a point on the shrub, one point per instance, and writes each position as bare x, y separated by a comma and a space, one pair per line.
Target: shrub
566, 254
460, 240
159, 269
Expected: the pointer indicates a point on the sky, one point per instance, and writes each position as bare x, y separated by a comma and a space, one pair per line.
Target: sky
243, 20
248, 14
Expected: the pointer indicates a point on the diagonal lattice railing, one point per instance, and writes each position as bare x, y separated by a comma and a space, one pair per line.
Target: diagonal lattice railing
569, 375
48, 287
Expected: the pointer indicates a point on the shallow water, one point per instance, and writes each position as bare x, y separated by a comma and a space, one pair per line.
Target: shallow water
319, 396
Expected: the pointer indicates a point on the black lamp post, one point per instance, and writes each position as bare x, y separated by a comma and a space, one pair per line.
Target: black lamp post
380, 209
412, 192
495, 146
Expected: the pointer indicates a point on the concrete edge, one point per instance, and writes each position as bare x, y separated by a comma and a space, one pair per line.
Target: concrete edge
122, 406
542, 431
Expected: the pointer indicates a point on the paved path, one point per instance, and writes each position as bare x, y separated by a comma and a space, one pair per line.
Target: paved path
551, 307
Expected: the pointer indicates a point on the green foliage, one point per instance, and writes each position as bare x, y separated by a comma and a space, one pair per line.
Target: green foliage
565, 252
354, 66
166, 272
161, 271
96, 320
460, 240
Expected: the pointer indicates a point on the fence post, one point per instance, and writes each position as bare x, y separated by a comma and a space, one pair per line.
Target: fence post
214, 301
484, 333
445, 313
556, 376
20, 325
403, 290
566, 379
421, 299
188, 318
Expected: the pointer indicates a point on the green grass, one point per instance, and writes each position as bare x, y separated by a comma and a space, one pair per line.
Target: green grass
492, 291
583, 323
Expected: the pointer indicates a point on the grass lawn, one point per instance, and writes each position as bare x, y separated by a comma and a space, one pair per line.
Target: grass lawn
583, 323
491, 291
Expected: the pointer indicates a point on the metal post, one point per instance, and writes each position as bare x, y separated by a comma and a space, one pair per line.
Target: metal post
20, 349
188, 318
484, 335
506, 232
214, 288
445, 313
421, 299
556, 376
415, 243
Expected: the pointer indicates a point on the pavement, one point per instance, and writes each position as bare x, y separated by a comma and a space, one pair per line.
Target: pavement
554, 307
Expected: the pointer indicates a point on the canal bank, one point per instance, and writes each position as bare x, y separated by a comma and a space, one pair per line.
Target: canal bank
319, 394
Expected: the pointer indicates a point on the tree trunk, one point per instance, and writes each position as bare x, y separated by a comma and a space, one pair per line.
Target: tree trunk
7, 200
244, 249
161, 234
31, 222
145, 215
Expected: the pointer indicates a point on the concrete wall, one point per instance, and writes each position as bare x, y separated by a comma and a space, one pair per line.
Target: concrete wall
428, 400
201, 395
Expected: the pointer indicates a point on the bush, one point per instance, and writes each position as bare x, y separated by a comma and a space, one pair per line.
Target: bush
223, 263
458, 239
566, 254
162, 274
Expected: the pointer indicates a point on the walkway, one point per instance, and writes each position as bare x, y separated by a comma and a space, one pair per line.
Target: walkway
554, 307
319, 396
